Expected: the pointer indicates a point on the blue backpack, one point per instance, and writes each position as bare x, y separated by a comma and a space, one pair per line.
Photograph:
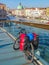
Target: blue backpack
35, 42
31, 36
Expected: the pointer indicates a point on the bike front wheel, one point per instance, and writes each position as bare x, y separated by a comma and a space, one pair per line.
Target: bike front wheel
16, 45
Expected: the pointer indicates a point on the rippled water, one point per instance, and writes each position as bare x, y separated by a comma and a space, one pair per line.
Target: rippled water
43, 37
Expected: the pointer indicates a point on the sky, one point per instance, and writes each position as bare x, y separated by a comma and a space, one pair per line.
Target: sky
26, 3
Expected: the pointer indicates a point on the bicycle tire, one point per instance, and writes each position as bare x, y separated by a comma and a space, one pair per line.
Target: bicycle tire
16, 45
30, 57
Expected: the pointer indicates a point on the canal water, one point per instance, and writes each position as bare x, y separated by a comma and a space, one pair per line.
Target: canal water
14, 29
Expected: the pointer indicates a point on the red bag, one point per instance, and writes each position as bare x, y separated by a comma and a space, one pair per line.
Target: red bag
22, 37
36, 41
35, 36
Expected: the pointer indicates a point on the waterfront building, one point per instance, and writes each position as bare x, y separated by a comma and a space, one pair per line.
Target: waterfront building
20, 10
20, 6
47, 11
2, 6
30, 12
38, 12
12, 12
34, 12
3, 11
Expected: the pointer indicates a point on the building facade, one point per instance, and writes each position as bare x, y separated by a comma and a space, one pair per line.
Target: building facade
47, 12
3, 11
31, 12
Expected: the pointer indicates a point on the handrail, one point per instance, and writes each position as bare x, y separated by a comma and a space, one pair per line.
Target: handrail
11, 36
42, 60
